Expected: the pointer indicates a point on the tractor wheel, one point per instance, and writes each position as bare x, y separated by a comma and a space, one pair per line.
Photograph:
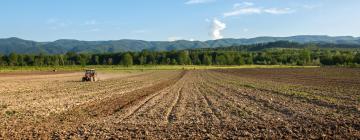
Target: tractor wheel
83, 79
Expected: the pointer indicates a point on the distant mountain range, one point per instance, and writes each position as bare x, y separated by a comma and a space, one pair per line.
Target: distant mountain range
17, 45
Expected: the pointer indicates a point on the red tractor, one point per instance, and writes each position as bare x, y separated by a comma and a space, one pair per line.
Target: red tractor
90, 75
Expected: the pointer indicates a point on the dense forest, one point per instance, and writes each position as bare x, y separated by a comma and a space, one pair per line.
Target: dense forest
276, 53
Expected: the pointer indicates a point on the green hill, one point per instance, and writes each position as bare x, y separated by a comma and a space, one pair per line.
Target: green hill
21, 46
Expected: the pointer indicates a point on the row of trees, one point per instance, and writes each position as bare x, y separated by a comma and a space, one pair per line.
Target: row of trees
189, 57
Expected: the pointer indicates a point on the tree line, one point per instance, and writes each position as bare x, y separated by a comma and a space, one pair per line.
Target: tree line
190, 57
286, 44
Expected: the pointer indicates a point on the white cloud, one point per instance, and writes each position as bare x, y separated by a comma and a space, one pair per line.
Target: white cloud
277, 11
244, 11
243, 4
216, 29
198, 1
248, 8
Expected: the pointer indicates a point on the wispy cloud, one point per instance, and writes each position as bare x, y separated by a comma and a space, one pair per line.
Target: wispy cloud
278, 11
248, 8
198, 1
243, 11
216, 29
243, 4
60, 24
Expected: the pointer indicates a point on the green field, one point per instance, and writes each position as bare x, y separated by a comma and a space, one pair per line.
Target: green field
139, 67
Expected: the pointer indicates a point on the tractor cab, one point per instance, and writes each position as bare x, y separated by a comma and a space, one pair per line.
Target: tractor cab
90, 75
90, 71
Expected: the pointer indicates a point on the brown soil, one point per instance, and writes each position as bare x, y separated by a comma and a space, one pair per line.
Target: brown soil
197, 104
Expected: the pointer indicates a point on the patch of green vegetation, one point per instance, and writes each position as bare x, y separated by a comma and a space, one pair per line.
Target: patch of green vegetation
39, 68
249, 86
139, 67
289, 89
330, 99
300, 93
285, 89
10, 112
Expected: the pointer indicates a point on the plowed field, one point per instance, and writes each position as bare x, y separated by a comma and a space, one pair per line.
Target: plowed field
197, 104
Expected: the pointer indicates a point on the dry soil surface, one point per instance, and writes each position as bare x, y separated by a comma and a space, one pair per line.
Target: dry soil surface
195, 104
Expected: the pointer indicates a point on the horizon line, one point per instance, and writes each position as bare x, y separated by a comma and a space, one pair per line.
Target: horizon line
357, 37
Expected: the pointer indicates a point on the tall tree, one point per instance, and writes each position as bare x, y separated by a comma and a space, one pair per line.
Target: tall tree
306, 56
207, 59
2, 60
13, 59
20, 60
357, 58
239, 60
95, 60
326, 58
127, 59
220, 59
183, 58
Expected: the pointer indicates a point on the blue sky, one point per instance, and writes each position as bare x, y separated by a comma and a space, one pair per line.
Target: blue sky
162, 20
